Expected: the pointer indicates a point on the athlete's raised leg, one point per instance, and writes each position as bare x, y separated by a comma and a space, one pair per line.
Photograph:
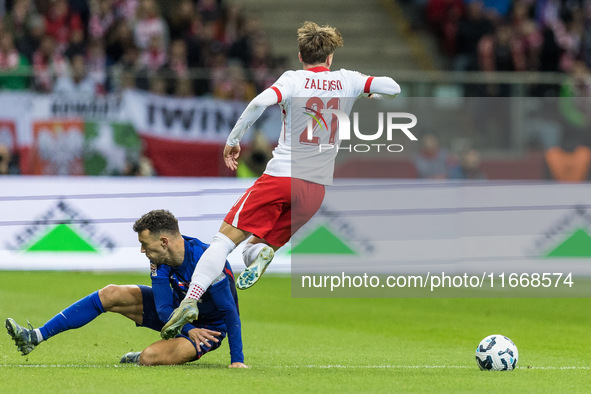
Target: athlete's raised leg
257, 255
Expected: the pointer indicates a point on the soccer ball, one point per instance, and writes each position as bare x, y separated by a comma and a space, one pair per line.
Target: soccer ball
497, 353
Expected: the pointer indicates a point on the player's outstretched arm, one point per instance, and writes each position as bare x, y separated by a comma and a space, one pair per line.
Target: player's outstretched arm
224, 302
252, 112
384, 87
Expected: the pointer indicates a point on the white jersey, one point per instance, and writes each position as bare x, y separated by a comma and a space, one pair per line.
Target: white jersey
302, 95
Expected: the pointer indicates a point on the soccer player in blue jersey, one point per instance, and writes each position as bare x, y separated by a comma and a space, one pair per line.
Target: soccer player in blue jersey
173, 258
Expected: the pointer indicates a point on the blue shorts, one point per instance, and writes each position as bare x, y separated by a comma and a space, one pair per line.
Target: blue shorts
151, 320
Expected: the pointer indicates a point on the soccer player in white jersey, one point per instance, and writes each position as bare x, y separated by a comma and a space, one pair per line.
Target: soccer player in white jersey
281, 201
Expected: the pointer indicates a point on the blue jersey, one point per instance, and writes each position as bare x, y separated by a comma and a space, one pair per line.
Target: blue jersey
218, 306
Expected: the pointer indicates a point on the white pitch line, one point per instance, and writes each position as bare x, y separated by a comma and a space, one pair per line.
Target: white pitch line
411, 367
328, 366
337, 366
57, 366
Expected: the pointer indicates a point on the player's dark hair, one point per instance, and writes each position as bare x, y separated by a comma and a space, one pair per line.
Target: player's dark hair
316, 43
157, 221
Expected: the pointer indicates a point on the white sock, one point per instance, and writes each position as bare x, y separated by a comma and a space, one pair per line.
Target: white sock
250, 252
210, 265
39, 336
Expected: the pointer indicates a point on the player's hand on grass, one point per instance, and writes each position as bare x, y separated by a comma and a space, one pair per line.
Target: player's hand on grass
231, 154
238, 365
204, 337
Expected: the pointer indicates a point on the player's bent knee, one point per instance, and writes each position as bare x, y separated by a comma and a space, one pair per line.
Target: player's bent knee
115, 297
109, 295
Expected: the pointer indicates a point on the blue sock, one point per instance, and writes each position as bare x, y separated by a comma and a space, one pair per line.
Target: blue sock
76, 315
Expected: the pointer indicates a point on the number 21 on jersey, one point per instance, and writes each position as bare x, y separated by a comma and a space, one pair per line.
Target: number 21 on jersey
319, 121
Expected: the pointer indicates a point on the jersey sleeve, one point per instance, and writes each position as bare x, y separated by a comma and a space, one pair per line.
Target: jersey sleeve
283, 87
163, 295
385, 86
250, 115
277, 93
355, 82
362, 84
224, 301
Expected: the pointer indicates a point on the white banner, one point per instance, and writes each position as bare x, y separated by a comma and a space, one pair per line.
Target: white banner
386, 226
49, 223
380, 226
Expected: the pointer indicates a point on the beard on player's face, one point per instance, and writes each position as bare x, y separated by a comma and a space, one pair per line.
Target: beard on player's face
157, 253
154, 249
156, 256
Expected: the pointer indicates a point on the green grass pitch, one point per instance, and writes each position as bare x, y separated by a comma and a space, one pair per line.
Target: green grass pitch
303, 345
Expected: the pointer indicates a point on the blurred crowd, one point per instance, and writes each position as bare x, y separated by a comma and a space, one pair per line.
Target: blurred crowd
431, 161
188, 48
513, 35
179, 47
509, 35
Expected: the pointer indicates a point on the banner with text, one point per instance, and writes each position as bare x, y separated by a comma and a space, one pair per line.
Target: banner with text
181, 136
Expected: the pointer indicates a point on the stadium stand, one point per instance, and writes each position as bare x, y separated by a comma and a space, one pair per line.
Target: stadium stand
231, 50
151, 41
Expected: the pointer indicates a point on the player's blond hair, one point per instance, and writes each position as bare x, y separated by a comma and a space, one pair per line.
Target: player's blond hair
316, 43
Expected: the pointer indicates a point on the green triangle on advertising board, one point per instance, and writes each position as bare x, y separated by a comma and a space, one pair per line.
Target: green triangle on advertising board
322, 241
62, 238
576, 245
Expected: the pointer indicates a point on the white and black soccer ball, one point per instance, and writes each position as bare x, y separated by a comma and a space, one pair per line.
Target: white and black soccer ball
497, 353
